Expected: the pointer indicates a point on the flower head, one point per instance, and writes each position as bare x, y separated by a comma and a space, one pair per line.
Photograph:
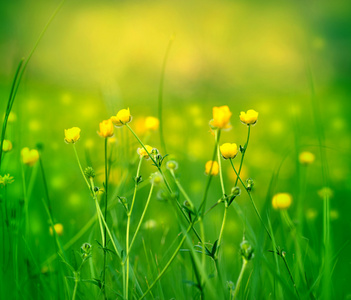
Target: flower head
156, 178
6, 179
29, 157
72, 135
172, 165
142, 152
221, 117
58, 228
152, 123
6, 146
228, 150
281, 201
106, 128
249, 118
306, 158
215, 168
123, 117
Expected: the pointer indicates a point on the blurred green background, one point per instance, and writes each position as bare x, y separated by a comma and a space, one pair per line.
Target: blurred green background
100, 56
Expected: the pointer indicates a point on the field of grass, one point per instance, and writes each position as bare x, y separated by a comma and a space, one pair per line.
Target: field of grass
112, 118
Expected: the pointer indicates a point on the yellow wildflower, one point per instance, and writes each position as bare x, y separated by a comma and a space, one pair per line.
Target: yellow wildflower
6, 146
215, 168
306, 158
29, 157
249, 118
221, 117
58, 228
123, 117
152, 123
6, 179
228, 150
72, 135
281, 201
106, 128
141, 151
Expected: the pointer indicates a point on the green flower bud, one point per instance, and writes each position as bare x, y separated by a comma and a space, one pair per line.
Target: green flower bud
172, 165
247, 252
89, 172
250, 184
236, 191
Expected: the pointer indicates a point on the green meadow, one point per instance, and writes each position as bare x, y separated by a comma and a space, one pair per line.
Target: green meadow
175, 150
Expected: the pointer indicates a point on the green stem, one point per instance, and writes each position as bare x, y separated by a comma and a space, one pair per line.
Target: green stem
217, 135
105, 242
75, 288
80, 167
141, 220
243, 153
168, 263
128, 228
238, 282
222, 227
160, 94
97, 212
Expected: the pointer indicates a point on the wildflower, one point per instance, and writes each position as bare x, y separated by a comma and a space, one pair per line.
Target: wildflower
72, 135
215, 168
89, 172
142, 152
29, 157
249, 118
325, 192
172, 165
281, 201
156, 178
106, 128
6, 179
123, 117
6, 146
306, 158
221, 117
152, 123
58, 228
247, 252
228, 150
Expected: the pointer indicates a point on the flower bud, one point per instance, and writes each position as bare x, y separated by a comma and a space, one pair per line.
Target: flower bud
106, 128
6, 179
281, 201
29, 157
89, 172
247, 252
58, 228
236, 191
221, 117
152, 123
6, 146
228, 150
211, 166
156, 178
306, 158
142, 152
250, 184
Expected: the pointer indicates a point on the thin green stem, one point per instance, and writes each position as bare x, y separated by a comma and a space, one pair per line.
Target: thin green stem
160, 94
243, 153
80, 166
238, 282
217, 135
97, 212
222, 227
75, 288
128, 228
168, 263
105, 242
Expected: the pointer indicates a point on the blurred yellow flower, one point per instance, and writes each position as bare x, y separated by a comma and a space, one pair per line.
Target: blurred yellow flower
141, 151
221, 117
249, 118
6, 146
229, 150
306, 158
58, 228
6, 179
281, 201
72, 135
29, 157
123, 117
215, 168
325, 192
106, 128
152, 123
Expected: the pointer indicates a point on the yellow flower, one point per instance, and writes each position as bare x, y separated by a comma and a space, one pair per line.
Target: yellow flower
6, 179
306, 158
228, 150
29, 157
281, 201
249, 118
6, 146
215, 168
141, 151
106, 128
58, 228
72, 135
123, 117
152, 123
221, 117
